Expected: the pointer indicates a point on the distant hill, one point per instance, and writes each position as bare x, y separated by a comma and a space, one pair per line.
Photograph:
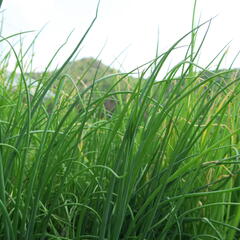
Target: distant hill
83, 72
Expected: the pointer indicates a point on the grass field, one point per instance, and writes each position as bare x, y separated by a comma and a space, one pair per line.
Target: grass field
163, 164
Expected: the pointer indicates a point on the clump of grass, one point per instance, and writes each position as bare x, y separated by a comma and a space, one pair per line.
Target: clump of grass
163, 165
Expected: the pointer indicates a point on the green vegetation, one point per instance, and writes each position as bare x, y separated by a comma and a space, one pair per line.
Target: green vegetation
163, 164
82, 72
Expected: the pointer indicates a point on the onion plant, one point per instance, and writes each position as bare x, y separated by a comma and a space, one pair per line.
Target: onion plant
163, 164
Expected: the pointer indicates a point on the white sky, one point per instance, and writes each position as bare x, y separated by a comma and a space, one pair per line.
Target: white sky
121, 24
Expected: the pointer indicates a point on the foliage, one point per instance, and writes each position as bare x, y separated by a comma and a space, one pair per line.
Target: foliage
163, 165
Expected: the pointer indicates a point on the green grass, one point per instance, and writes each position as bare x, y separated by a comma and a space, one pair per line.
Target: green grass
163, 165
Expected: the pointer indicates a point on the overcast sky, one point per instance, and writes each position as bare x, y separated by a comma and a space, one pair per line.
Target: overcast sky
128, 26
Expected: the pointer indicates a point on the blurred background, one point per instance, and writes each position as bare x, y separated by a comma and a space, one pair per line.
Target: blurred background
126, 32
